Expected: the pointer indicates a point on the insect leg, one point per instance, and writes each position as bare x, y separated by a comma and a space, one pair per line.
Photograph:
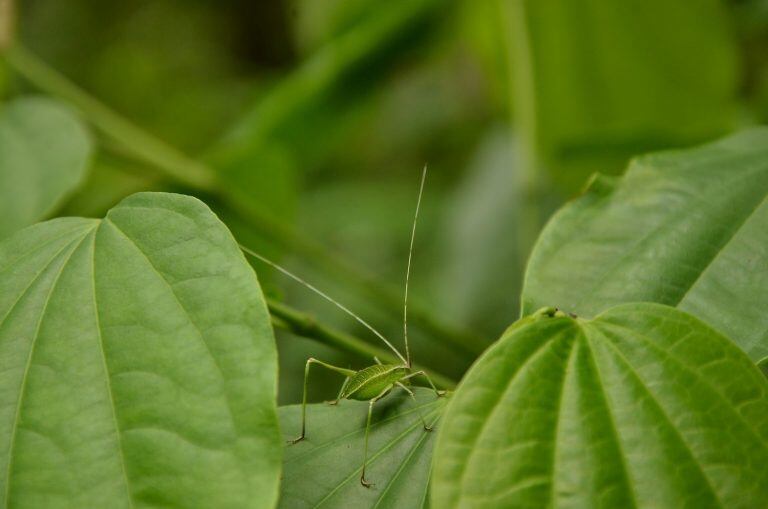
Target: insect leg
425, 375
410, 393
341, 391
367, 428
310, 361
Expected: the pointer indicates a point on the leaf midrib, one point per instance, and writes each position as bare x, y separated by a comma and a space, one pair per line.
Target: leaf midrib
183, 308
736, 227
723, 398
726, 242
538, 351
556, 429
107, 375
403, 464
372, 459
336, 440
611, 420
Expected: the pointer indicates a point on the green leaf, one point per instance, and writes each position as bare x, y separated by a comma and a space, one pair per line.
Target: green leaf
599, 81
138, 363
684, 228
44, 153
324, 469
644, 406
763, 366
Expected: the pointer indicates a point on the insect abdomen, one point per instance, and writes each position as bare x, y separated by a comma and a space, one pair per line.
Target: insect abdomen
370, 382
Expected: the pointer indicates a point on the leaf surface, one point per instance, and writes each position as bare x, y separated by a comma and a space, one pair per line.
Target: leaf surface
44, 153
685, 228
324, 469
138, 363
644, 406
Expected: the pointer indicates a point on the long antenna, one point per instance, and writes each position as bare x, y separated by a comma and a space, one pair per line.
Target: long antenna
408, 270
326, 297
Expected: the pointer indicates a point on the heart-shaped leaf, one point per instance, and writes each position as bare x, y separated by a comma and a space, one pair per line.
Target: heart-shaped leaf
138, 363
324, 469
685, 228
44, 151
643, 406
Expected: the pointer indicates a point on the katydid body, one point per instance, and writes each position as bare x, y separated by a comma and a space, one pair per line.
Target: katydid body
368, 384
373, 382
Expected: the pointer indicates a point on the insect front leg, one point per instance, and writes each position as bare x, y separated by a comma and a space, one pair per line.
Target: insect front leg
310, 361
410, 393
367, 428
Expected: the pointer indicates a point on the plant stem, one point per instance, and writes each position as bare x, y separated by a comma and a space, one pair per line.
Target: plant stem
465, 342
306, 326
141, 144
185, 170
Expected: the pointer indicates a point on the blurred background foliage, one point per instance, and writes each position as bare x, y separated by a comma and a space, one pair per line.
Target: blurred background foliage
305, 124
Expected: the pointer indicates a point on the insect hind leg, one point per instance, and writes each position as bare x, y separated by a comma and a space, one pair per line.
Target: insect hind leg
367, 429
310, 361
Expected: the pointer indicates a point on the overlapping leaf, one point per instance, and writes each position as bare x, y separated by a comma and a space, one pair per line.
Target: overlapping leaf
44, 150
324, 469
685, 228
644, 406
137, 363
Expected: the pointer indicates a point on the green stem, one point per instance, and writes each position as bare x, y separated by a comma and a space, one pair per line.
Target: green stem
141, 144
463, 341
185, 170
306, 326
524, 117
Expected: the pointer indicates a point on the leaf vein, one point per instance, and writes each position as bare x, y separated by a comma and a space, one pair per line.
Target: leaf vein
74, 244
107, 374
618, 355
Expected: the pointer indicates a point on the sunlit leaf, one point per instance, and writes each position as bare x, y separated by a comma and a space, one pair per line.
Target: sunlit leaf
138, 363
324, 469
644, 406
44, 151
685, 228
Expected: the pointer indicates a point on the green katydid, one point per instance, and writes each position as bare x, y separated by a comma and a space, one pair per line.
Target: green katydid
373, 382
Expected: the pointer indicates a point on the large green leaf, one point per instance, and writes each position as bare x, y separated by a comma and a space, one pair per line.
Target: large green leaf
598, 81
44, 151
684, 228
138, 363
324, 469
644, 406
